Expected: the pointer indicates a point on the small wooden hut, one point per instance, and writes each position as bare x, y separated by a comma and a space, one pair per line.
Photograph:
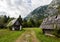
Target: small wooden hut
15, 24
50, 24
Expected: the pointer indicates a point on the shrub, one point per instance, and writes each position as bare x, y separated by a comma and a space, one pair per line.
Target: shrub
57, 33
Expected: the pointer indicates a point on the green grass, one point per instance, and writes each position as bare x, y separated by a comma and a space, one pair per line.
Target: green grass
9, 36
44, 38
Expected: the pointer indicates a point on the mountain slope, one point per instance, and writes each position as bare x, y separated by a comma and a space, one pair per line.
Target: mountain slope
38, 13
52, 7
44, 11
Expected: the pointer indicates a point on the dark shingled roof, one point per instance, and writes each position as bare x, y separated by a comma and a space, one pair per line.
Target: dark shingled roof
51, 22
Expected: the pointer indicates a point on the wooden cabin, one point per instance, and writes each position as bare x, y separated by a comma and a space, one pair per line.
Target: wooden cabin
15, 24
49, 24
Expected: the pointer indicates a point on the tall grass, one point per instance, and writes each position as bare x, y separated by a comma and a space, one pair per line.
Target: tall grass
9, 36
44, 38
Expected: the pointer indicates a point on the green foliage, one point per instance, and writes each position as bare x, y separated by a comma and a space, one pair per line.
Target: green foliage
24, 23
38, 23
31, 23
3, 21
57, 33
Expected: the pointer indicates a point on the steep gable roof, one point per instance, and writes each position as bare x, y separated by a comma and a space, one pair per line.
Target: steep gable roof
50, 22
11, 22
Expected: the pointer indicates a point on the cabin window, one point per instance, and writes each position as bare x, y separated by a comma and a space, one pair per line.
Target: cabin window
56, 17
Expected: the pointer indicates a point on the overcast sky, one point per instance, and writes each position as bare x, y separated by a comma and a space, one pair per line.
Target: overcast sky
14, 8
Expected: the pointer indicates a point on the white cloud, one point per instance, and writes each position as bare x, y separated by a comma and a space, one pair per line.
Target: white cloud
37, 3
14, 8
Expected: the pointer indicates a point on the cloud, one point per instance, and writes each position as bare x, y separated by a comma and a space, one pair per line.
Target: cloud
37, 3
14, 8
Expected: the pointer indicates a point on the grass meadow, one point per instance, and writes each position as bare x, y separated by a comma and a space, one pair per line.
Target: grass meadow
9, 36
44, 38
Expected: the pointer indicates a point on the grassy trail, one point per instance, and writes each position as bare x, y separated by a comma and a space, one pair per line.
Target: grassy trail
28, 36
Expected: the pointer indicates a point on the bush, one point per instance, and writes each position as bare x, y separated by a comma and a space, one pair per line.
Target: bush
57, 33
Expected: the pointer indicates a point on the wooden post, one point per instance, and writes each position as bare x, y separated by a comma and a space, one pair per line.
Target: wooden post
13, 28
43, 31
20, 27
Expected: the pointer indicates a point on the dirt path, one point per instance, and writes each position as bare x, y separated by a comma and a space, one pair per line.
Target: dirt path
27, 36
